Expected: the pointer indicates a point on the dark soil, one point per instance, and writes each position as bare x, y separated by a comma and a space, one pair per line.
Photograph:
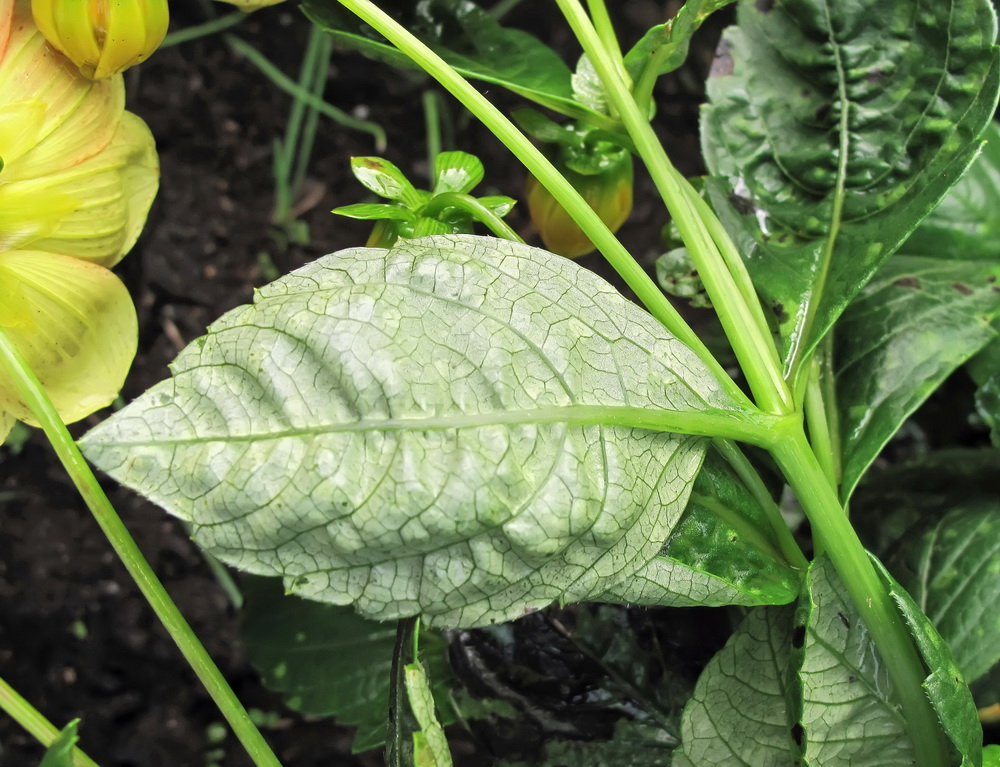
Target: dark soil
76, 638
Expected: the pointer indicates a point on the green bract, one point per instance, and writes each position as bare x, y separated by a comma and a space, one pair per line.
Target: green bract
424, 430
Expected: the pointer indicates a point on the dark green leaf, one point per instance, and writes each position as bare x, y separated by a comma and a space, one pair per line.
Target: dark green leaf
951, 567
966, 225
401, 430
725, 534
666, 45
833, 129
911, 327
897, 502
988, 405
469, 39
633, 744
60, 752
745, 706
327, 661
946, 688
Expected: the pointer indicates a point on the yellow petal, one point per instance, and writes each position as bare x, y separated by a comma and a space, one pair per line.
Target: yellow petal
111, 194
75, 324
80, 115
6, 18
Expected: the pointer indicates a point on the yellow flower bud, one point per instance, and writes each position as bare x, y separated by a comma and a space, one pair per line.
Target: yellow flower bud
609, 193
77, 177
103, 37
79, 173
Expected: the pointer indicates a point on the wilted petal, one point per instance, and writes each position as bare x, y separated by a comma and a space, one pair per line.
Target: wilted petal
75, 324
7, 422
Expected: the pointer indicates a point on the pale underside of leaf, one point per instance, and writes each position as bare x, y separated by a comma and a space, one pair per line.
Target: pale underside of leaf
352, 432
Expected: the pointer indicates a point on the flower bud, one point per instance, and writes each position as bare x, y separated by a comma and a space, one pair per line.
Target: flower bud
608, 192
102, 37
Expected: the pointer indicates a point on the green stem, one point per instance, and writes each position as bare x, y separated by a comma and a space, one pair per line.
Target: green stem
285, 151
35, 398
432, 124
816, 420
642, 91
606, 31
504, 7
538, 165
289, 86
755, 485
203, 30
32, 720
466, 202
868, 593
395, 742
321, 71
752, 343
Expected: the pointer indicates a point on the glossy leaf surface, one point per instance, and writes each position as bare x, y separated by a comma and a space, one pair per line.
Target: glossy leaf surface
722, 552
911, 327
951, 567
423, 430
832, 130
325, 660
668, 43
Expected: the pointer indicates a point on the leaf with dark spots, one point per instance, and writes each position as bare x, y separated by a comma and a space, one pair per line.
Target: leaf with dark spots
841, 155
965, 290
907, 282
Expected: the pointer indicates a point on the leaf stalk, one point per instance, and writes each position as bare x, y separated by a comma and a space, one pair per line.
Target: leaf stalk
33, 394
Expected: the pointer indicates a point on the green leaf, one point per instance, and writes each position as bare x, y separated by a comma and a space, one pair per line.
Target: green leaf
587, 88
498, 204
807, 686
966, 225
425, 430
60, 752
633, 744
469, 39
667, 44
911, 327
991, 756
833, 129
722, 546
327, 661
951, 566
744, 708
382, 177
376, 211
946, 688
725, 532
988, 405
458, 172
430, 746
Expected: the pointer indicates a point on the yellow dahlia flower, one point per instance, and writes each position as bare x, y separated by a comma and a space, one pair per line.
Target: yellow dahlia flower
103, 37
77, 178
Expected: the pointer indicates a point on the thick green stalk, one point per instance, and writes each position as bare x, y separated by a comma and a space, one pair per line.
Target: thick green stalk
868, 593
538, 165
819, 427
32, 720
33, 394
752, 342
606, 30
